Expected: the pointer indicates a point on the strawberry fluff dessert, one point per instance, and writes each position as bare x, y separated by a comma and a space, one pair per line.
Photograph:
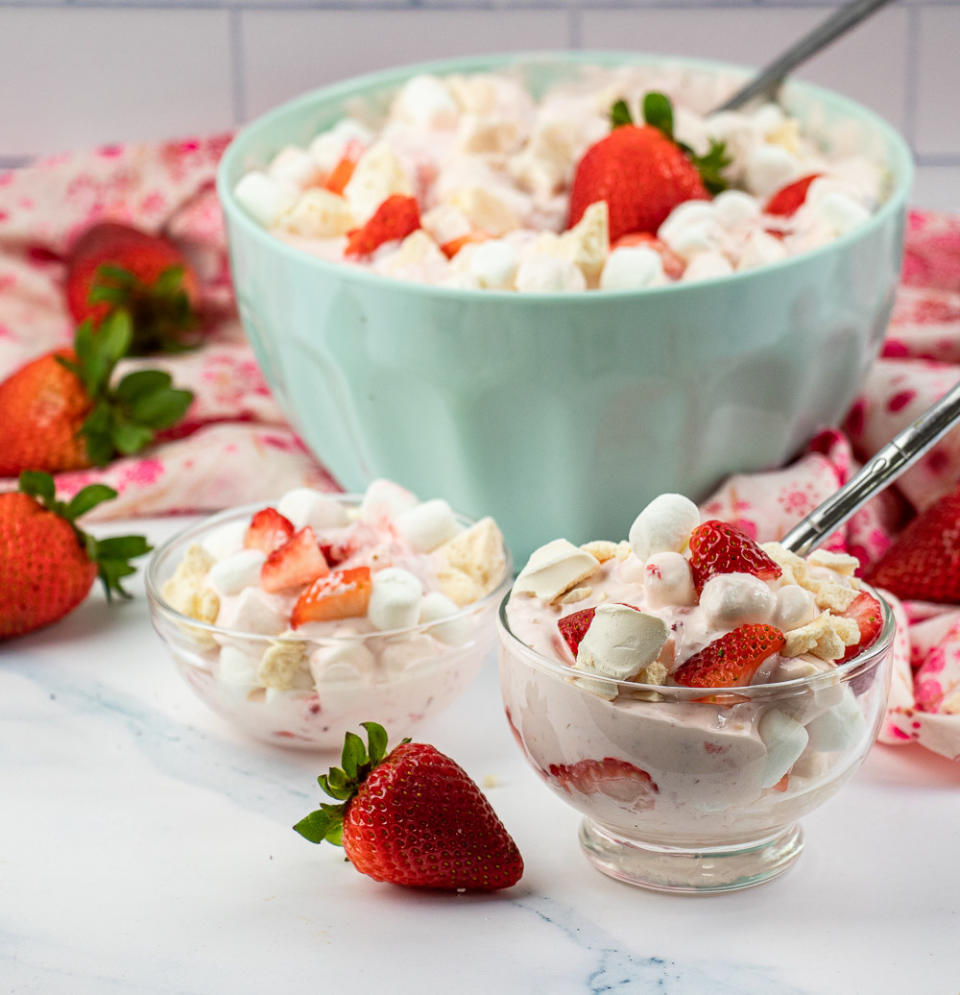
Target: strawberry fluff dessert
293, 620
690, 689
620, 179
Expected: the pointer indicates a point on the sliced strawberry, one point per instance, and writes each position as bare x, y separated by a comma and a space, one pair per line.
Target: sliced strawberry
267, 531
865, 611
395, 218
789, 199
574, 627
342, 173
719, 548
298, 561
615, 778
673, 265
451, 248
336, 553
781, 785
731, 660
341, 594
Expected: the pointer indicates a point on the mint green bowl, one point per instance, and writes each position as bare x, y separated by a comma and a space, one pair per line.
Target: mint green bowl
562, 414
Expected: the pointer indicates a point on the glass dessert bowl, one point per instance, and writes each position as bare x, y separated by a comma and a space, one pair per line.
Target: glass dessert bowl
301, 684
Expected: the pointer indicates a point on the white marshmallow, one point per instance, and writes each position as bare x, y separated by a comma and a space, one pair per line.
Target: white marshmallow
734, 208
554, 569
620, 642
428, 525
494, 264
707, 266
664, 526
233, 573
632, 267
304, 506
734, 599
394, 599
426, 101
840, 212
238, 668
292, 166
349, 661
385, 499
263, 197
434, 608
253, 612
407, 653
691, 239
839, 727
328, 148
785, 739
318, 214
689, 212
795, 607
770, 167
225, 540
548, 275
630, 570
761, 249
768, 118
667, 580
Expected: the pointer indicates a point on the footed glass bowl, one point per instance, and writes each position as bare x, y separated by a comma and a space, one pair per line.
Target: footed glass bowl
397, 678
684, 791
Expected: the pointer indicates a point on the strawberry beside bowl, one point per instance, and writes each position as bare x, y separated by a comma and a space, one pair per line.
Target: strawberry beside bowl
584, 403
294, 687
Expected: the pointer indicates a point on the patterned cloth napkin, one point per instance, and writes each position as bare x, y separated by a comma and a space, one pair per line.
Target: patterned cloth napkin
235, 446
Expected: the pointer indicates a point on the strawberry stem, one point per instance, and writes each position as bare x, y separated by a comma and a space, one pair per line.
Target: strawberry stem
112, 555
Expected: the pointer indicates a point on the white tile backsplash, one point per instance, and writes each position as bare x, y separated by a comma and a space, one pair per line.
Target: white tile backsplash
937, 121
76, 77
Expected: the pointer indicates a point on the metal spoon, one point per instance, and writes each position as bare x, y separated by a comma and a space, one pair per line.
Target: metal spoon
768, 80
901, 452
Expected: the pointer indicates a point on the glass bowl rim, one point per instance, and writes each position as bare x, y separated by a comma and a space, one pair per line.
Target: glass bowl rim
839, 674
160, 607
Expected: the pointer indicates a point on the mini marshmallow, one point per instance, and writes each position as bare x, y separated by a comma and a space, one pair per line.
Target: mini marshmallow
494, 264
840, 212
707, 266
664, 526
620, 642
761, 249
264, 198
385, 499
349, 661
684, 214
734, 207
694, 238
225, 540
839, 727
426, 101
428, 525
293, 167
253, 612
632, 267
304, 506
785, 739
434, 608
547, 275
394, 599
733, 599
667, 580
237, 668
233, 573
318, 214
377, 175
328, 148
408, 653
631, 570
768, 168
554, 569
767, 118
795, 607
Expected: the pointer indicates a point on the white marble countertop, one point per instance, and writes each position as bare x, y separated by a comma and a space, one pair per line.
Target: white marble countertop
145, 847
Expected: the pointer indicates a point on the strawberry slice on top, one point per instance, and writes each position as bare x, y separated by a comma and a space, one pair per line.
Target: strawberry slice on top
732, 660
866, 612
574, 627
339, 594
719, 548
397, 217
298, 561
267, 531
789, 199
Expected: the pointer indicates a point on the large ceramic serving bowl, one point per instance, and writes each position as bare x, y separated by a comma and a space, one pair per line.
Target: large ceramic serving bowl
552, 412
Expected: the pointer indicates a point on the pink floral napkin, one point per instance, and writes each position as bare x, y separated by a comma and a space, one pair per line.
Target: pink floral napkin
235, 446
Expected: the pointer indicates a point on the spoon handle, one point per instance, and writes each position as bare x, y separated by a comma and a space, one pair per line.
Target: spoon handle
901, 452
770, 78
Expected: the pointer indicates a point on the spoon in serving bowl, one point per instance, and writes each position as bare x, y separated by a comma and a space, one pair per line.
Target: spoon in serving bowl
901, 452
768, 80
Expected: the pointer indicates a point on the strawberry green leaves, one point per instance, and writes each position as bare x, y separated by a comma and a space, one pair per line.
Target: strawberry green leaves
658, 112
112, 556
620, 114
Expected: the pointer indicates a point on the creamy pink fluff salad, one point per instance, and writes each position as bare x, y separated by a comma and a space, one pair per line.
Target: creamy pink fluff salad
485, 160
338, 612
680, 605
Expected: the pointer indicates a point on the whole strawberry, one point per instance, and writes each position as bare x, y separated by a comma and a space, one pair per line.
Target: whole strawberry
60, 412
412, 817
115, 266
924, 562
47, 565
642, 172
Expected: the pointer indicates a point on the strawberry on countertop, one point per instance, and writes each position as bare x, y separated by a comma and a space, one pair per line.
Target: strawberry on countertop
60, 412
719, 548
642, 172
731, 660
115, 266
47, 565
412, 817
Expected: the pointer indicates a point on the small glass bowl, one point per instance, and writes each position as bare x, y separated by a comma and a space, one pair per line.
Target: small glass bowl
684, 791
397, 678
